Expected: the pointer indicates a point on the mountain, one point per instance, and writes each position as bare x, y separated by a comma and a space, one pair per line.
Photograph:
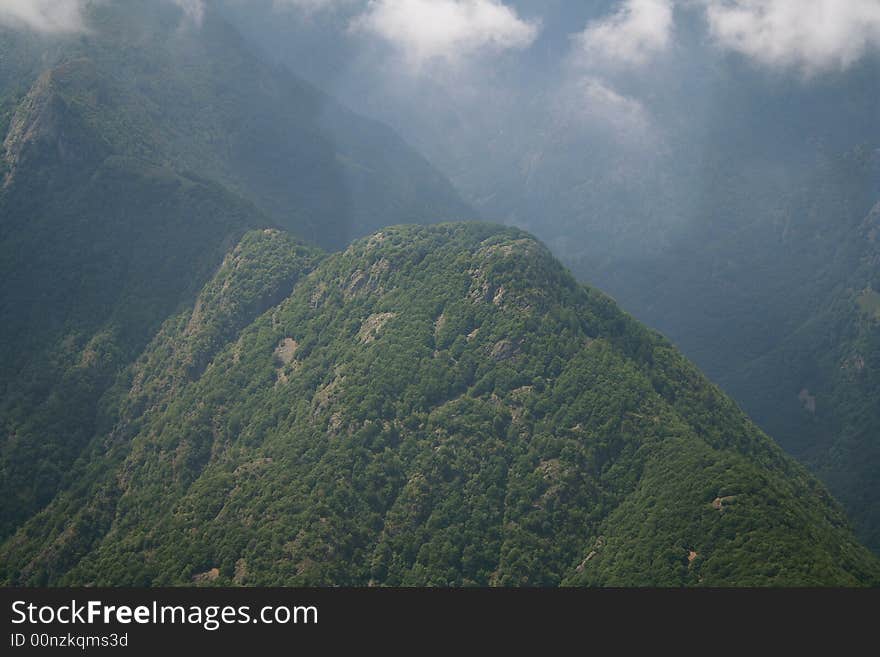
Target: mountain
719, 191
152, 85
748, 245
437, 405
133, 157
822, 401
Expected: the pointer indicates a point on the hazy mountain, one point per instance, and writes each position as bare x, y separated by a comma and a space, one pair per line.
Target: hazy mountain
155, 86
135, 154
816, 390
440, 405
192, 391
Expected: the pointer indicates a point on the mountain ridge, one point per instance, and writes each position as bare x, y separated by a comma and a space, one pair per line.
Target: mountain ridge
437, 405
133, 160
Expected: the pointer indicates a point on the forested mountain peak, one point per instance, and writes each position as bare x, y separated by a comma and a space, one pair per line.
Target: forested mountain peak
434, 405
133, 155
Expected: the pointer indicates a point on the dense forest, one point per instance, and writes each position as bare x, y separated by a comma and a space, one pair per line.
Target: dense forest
432, 406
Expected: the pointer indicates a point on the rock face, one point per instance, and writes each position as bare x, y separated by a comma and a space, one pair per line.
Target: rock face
544, 439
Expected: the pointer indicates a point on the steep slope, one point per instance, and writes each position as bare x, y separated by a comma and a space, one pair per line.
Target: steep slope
817, 391
758, 263
133, 157
440, 405
772, 299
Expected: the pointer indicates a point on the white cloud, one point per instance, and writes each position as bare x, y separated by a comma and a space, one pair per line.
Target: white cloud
637, 31
423, 30
628, 38
592, 103
48, 16
811, 35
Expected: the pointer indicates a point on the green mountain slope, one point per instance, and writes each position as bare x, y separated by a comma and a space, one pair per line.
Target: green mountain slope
439, 405
85, 280
133, 158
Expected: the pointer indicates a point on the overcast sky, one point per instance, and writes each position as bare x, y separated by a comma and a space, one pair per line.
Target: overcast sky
810, 36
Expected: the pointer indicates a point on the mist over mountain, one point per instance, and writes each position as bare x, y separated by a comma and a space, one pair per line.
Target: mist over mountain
711, 165
233, 353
